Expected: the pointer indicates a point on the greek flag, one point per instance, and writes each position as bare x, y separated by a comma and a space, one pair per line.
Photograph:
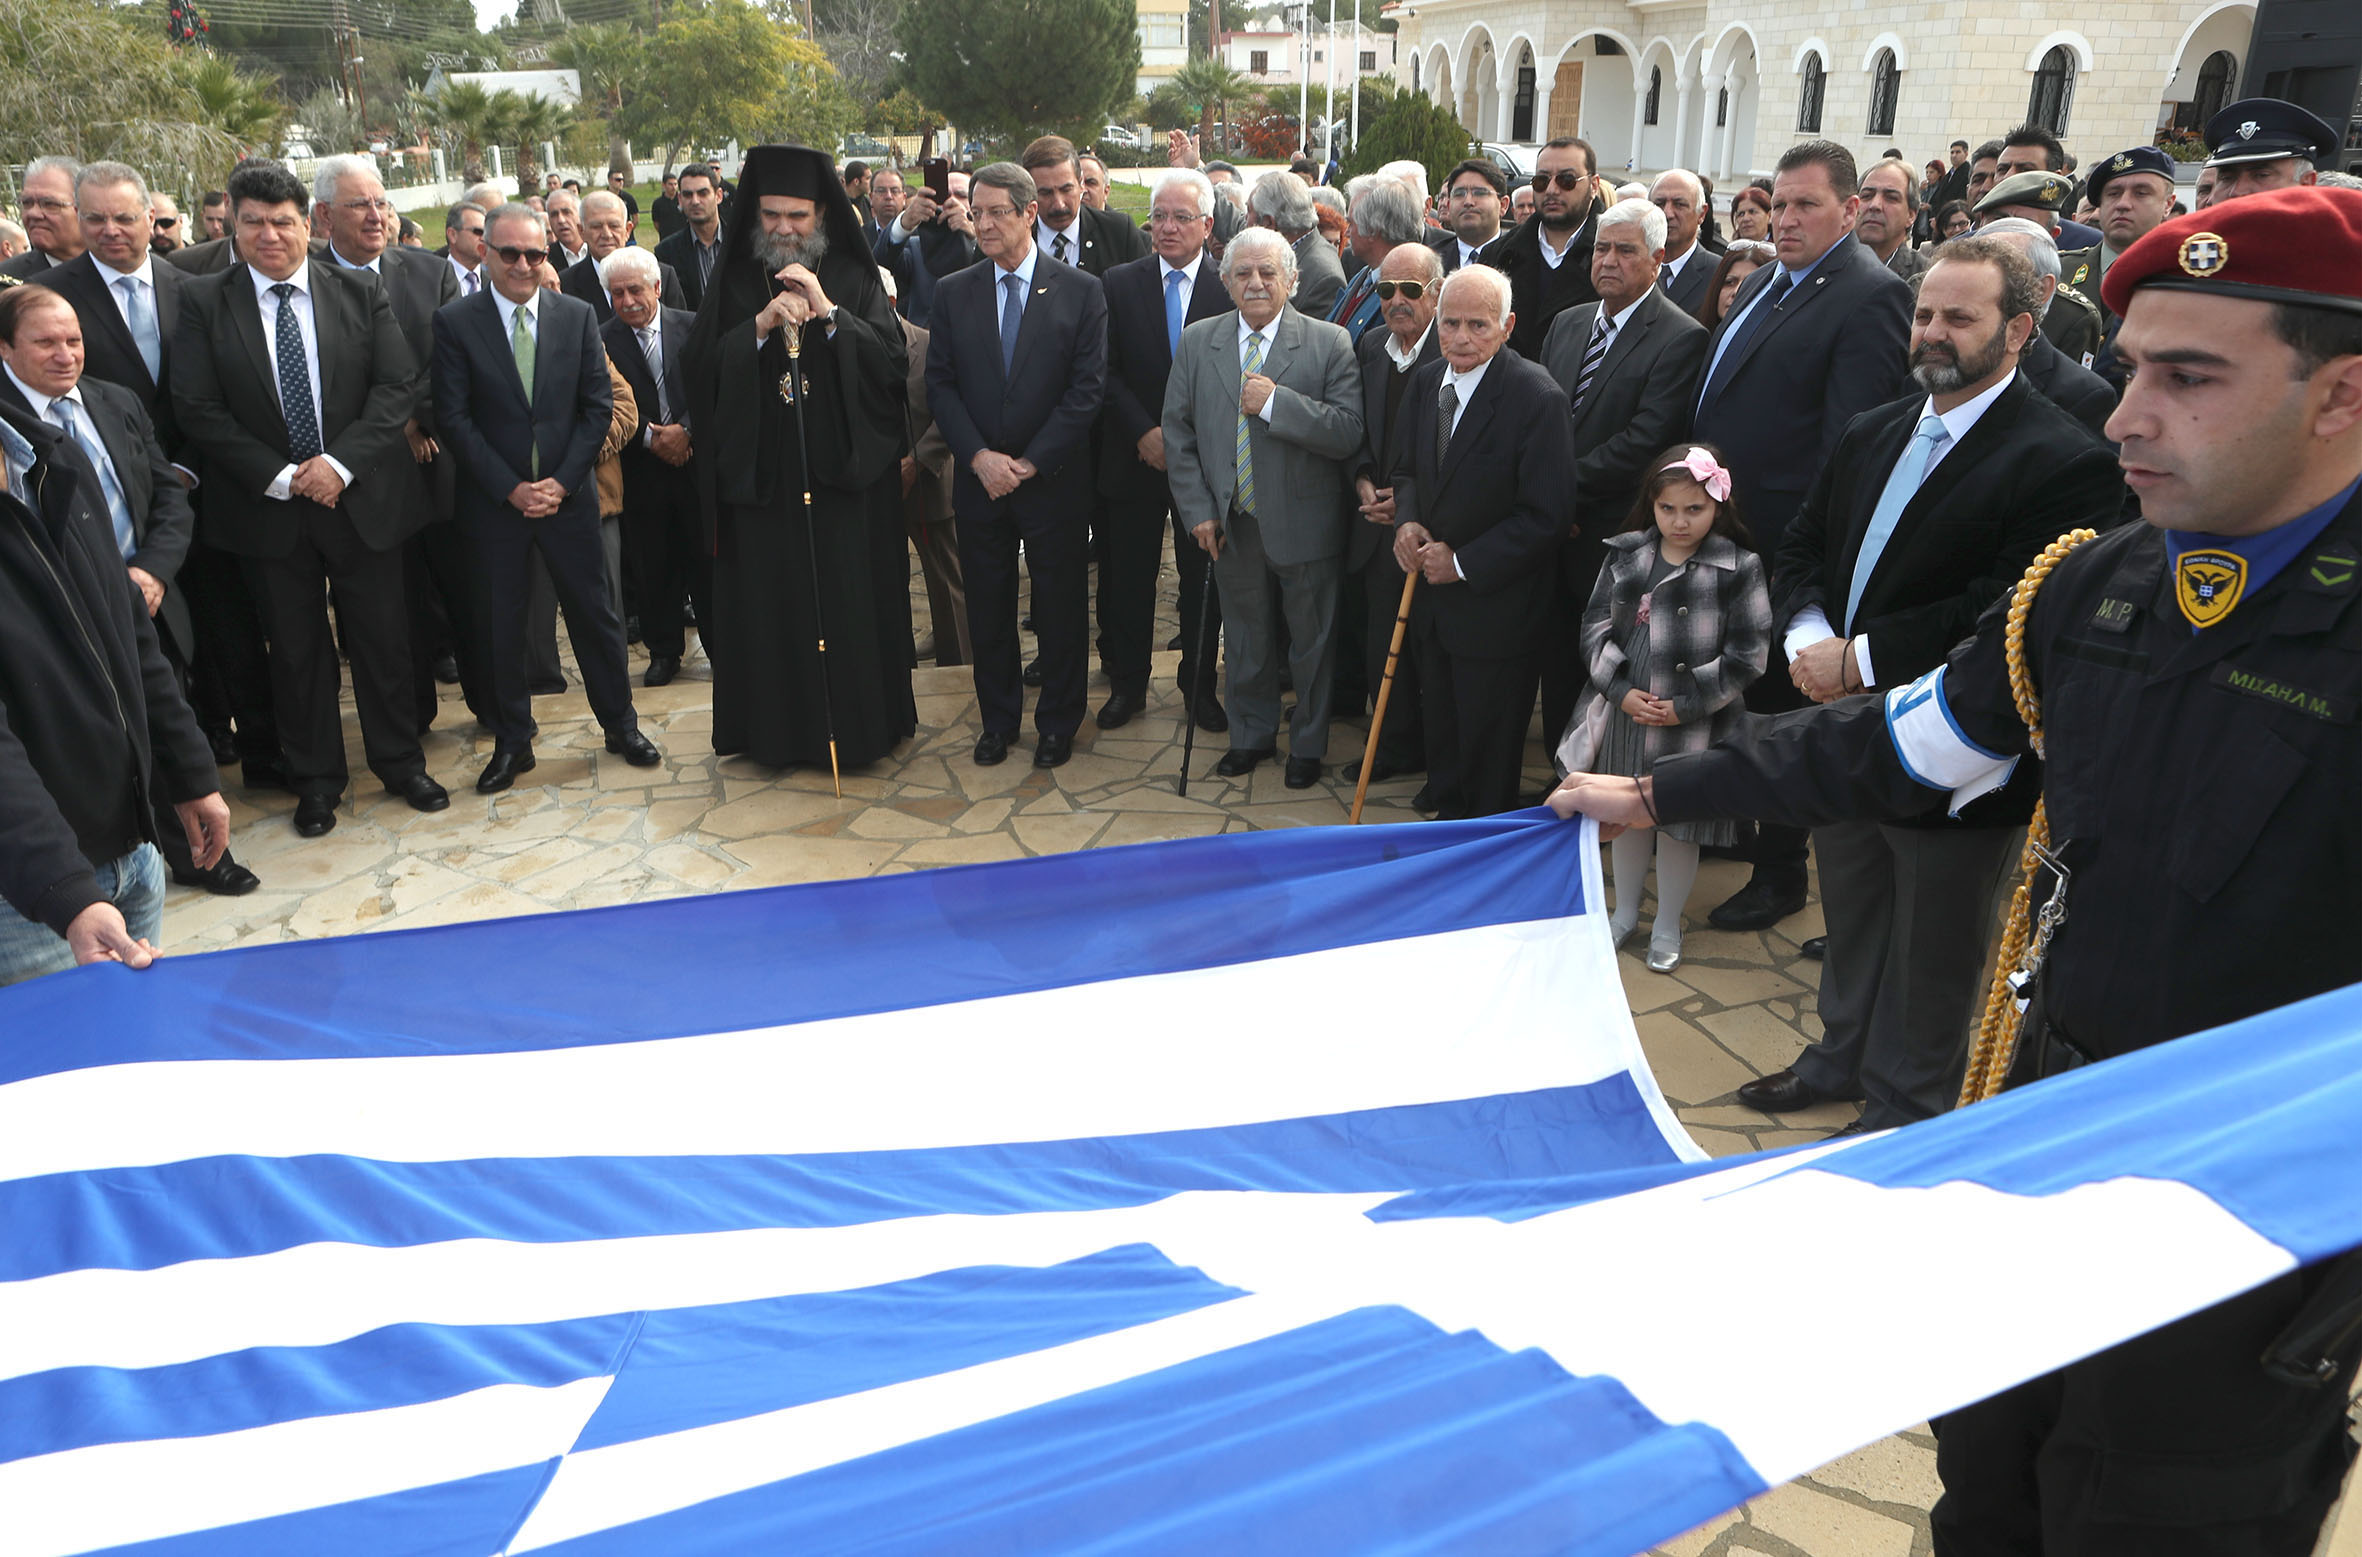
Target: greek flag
1287, 1192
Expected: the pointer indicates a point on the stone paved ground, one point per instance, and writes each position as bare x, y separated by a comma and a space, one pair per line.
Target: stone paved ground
585, 830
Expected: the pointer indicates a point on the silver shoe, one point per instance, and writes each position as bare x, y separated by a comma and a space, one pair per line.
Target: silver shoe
1619, 934
1663, 960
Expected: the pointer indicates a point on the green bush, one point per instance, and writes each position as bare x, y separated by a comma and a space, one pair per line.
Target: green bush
1409, 126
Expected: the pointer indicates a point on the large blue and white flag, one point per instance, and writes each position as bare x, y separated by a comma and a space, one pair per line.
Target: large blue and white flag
1288, 1192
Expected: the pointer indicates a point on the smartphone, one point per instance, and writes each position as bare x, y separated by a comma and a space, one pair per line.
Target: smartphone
935, 173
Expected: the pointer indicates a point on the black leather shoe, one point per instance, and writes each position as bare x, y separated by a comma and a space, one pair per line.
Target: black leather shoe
661, 670
225, 746
1051, 751
1173, 644
1424, 802
1382, 772
423, 793
992, 749
262, 773
1816, 948
1303, 772
1758, 905
1033, 673
227, 878
1781, 1092
635, 748
1117, 711
507, 762
1237, 762
1208, 714
446, 670
314, 815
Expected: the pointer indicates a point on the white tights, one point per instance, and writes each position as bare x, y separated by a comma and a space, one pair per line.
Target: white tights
1677, 872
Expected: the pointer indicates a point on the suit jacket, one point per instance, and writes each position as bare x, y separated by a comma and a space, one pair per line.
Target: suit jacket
1834, 347
417, 285
1104, 240
1688, 289
930, 497
1501, 498
622, 345
111, 354
27, 265
933, 252
678, 250
582, 281
226, 397
2069, 385
1638, 405
486, 421
1041, 407
1139, 362
2025, 474
1446, 244
1536, 290
1320, 277
1377, 438
162, 523
1907, 261
1301, 455
1356, 307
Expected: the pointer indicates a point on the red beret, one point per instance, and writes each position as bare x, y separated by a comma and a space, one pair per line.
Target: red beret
2298, 245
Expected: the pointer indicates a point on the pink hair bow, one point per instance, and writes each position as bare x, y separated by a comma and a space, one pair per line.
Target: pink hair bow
1707, 474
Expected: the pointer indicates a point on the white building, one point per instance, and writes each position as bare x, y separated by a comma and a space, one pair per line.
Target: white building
1273, 58
1723, 87
1164, 42
559, 86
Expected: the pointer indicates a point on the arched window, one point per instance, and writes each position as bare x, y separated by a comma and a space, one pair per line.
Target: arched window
1415, 73
1656, 94
2054, 90
1722, 108
1810, 94
2215, 79
1886, 84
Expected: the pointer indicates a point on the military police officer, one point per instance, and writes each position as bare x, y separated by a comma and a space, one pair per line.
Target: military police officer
2073, 322
2200, 678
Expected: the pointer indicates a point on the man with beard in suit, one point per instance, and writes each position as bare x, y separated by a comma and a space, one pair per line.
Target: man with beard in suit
1548, 260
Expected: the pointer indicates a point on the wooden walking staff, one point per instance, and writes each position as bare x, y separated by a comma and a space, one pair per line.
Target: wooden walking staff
1369, 751
791, 390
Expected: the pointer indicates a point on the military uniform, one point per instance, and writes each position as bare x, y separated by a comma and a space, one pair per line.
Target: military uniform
2203, 759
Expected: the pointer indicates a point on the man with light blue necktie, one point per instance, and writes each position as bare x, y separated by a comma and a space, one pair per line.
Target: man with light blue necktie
1929, 509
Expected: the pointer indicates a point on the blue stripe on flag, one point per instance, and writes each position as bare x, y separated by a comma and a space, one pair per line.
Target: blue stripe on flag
467, 1518
1373, 1431
803, 953
228, 1207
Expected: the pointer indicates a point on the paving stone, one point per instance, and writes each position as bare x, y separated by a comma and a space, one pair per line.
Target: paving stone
776, 862
1755, 1035
985, 816
1643, 990
607, 824
1152, 826
890, 822
554, 884
975, 850
1688, 1065
1827, 1526
771, 811
1892, 1470
690, 865
1734, 986
1058, 834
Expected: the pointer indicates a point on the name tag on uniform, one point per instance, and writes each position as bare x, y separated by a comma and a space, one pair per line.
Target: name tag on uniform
2256, 683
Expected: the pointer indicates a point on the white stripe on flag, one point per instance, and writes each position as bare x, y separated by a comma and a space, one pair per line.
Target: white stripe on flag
599, 1489
1469, 1013
81, 1500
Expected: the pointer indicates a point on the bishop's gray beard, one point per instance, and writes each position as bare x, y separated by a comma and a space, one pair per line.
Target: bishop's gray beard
775, 251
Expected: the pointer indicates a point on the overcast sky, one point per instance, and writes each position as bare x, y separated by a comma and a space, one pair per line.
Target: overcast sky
490, 11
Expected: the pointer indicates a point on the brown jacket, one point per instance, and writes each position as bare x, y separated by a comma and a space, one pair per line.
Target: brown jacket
619, 432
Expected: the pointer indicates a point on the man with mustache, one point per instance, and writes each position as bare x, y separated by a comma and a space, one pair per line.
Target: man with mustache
1929, 508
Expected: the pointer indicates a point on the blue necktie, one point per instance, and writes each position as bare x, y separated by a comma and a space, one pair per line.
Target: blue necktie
118, 509
1012, 311
140, 314
1735, 343
1175, 308
1904, 480
295, 381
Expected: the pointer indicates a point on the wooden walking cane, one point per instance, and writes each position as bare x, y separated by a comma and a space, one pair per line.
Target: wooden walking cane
1369, 751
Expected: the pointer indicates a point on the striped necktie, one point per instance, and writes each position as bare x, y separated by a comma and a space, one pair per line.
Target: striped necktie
1593, 355
1250, 364
1446, 405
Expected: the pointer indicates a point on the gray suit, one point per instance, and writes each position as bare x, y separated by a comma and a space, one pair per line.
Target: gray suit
1295, 533
1320, 276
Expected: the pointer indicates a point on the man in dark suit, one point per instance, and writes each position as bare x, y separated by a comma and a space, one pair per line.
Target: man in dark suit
1548, 260
1407, 292
1809, 343
1928, 511
1016, 371
294, 379
128, 303
693, 248
607, 228
926, 242
523, 401
1385, 215
1283, 201
140, 494
663, 528
1474, 195
1689, 259
1149, 302
1064, 228
1483, 473
1629, 364
53, 234
349, 204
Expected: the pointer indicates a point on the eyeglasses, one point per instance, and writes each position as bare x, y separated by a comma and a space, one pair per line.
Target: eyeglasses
365, 205
45, 203
168, 222
1567, 179
1411, 290
511, 255
1173, 218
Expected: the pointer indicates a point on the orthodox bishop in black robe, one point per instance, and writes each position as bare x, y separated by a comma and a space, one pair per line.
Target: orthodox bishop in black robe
787, 579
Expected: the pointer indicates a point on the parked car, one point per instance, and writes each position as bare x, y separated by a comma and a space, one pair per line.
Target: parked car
865, 146
1117, 135
1516, 159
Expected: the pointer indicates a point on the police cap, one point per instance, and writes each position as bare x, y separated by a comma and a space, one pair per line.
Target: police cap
2265, 129
2034, 191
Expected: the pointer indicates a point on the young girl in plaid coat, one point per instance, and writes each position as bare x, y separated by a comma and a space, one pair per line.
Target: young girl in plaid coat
1678, 625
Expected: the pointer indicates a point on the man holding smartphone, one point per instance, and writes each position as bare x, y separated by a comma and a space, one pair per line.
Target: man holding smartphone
932, 238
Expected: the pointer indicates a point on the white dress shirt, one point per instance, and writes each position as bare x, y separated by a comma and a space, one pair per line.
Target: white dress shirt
508, 316
470, 281
1811, 625
1045, 237
1671, 270
1166, 268
268, 306
1270, 334
1404, 360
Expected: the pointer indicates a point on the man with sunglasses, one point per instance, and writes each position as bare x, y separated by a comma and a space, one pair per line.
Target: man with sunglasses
164, 234
1548, 260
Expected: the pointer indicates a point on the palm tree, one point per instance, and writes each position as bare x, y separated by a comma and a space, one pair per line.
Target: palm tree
610, 57
245, 108
531, 121
465, 112
1210, 83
